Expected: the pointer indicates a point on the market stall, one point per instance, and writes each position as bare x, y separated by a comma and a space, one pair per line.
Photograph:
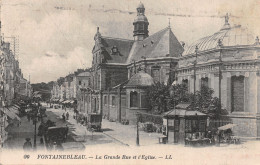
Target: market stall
183, 126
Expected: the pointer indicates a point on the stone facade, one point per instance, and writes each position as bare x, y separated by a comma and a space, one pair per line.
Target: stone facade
230, 55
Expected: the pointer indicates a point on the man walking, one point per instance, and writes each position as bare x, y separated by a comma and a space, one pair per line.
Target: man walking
27, 145
67, 115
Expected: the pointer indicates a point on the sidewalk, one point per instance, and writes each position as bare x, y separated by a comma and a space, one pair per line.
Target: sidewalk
17, 135
127, 134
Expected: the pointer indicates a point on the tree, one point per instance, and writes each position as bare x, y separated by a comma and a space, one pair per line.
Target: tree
204, 102
162, 98
157, 97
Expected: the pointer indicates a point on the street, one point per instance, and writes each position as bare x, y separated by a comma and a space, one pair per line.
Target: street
112, 132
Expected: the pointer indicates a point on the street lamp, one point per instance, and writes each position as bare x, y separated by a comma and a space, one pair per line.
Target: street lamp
137, 129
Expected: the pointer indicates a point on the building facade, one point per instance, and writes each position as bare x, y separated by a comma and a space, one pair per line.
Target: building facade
116, 62
227, 62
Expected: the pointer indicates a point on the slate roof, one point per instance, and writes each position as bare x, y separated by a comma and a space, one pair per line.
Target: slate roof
161, 44
123, 46
141, 80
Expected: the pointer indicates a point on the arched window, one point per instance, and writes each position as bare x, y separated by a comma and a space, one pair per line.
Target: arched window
134, 99
237, 93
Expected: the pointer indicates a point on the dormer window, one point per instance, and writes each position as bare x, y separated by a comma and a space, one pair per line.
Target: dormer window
114, 50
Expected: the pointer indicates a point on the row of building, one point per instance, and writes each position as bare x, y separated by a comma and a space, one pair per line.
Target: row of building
67, 89
13, 88
121, 70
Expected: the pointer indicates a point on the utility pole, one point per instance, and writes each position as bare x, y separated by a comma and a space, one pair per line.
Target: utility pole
220, 71
195, 63
220, 77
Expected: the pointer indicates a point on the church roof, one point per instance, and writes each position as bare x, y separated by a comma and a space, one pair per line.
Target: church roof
230, 36
123, 47
161, 44
140, 79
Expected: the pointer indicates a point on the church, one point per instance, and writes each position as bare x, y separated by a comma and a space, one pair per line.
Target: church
226, 61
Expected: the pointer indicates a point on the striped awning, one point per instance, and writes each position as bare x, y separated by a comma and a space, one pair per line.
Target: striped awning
11, 114
228, 126
13, 109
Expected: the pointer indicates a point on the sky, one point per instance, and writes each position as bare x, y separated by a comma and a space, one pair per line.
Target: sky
56, 37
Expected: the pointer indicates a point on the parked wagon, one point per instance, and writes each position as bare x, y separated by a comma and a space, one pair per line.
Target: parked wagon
94, 122
56, 134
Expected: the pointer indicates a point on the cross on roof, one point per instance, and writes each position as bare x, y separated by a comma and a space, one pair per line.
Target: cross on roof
226, 19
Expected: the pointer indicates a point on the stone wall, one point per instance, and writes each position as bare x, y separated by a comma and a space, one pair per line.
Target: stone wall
246, 127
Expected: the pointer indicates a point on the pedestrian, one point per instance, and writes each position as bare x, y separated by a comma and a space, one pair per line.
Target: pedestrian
41, 141
27, 145
63, 117
54, 146
28, 116
67, 115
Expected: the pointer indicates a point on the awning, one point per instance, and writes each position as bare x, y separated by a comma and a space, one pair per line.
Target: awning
17, 106
12, 115
183, 112
13, 109
228, 126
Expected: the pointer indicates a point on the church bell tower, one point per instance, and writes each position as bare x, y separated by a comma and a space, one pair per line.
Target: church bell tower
140, 24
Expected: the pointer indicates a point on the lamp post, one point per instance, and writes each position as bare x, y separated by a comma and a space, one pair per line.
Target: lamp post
137, 130
35, 111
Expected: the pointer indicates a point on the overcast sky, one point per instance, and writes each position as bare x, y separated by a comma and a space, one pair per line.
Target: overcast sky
56, 37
